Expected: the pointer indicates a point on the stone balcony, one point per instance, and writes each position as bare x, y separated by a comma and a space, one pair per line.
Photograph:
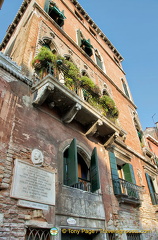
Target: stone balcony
128, 192
73, 107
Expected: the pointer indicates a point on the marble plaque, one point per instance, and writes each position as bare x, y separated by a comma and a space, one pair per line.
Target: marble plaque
28, 204
33, 183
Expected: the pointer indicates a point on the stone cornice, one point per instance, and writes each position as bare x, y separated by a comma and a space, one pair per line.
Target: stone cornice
153, 140
11, 67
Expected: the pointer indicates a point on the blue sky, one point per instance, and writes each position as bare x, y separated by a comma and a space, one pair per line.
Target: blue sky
132, 27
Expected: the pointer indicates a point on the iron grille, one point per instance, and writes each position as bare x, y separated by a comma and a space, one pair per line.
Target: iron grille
133, 236
127, 188
83, 184
37, 234
111, 236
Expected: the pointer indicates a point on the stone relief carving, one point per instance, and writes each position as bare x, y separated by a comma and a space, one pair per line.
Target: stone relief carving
37, 157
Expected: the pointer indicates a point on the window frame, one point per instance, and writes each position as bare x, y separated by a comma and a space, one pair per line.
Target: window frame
70, 167
125, 88
57, 18
99, 60
124, 186
84, 44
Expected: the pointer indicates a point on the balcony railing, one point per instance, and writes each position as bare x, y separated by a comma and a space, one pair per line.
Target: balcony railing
127, 190
83, 184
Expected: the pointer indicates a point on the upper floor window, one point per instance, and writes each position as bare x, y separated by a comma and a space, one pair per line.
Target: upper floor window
125, 88
78, 16
84, 44
77, 172
54, 12
92, 32
153, 189
124, 182
98, 59
138, 129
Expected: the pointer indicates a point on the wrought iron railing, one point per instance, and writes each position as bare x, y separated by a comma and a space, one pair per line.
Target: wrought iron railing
83, 184
126, 188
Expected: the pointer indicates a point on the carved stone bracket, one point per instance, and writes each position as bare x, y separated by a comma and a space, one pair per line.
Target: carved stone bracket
111, 139
42, 93
69, 116
94, 128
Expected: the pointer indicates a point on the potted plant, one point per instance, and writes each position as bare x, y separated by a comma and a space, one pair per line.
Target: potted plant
43, 62
109, 106
72, 75
45, 55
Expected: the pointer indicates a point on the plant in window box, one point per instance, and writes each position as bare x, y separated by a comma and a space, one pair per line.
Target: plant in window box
44, 61
87, 84
72, 75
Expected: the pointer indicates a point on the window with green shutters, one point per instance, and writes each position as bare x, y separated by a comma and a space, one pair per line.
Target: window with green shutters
84, 44
124, 183
153, 194
54, 12
76, 172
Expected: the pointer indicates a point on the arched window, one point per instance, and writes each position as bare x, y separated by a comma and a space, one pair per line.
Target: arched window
84, 43
98, 58
54, 12
80, 171
125, 88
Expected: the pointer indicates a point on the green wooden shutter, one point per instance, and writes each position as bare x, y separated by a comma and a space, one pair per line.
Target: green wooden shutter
151, 189
94, 171
46, 6
129, 173
129, 176
72, 164
79, 37
114, 173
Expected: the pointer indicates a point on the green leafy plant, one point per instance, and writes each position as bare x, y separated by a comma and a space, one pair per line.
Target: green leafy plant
73, 70
87, 84
45, 55
109, 106
55, 63
72, 75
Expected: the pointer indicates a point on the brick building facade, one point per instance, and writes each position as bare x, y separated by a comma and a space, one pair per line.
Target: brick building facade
72, 148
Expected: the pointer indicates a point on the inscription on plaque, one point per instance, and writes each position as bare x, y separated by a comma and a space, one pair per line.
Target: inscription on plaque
33, 184
24, 203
